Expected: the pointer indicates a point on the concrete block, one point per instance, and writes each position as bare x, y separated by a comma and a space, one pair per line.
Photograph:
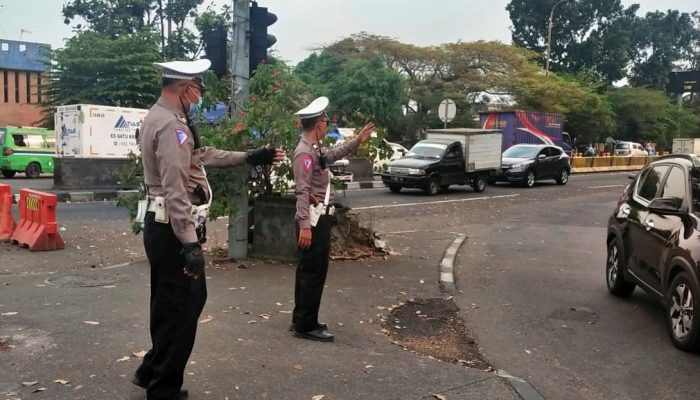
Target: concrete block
78, 197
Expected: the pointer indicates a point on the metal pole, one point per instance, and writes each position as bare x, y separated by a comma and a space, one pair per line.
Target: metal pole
549, 36
238, 222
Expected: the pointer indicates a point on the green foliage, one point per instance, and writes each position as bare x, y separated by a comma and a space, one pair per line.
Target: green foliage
114, 18
132, 175
645, 114
367, 90
662, 40
95, 69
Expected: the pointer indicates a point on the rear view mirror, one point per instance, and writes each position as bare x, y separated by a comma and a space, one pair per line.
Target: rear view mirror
541, 156
666, 206
631, 176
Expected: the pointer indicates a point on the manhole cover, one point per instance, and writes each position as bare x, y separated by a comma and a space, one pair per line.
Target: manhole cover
82, 280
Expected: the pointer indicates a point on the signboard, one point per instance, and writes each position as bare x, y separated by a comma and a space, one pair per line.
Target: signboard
447, 110
684, 81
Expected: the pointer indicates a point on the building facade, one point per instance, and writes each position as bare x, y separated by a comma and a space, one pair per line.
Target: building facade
23, 73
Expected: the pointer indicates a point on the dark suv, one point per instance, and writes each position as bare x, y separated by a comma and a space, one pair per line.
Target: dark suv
654, 242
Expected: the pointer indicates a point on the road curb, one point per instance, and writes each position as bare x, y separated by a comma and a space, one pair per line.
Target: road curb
447, 277
521, 386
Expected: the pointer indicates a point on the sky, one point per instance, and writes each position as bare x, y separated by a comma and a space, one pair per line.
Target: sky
305, 24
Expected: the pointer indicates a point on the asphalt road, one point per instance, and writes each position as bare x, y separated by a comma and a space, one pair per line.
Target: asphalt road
532, 284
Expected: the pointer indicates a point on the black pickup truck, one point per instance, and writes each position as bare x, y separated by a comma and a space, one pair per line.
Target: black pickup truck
447, 157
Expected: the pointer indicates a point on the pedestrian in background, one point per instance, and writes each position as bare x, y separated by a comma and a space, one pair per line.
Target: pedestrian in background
314, 211
178, 199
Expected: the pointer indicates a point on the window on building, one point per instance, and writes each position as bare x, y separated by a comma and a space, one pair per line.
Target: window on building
38, 88
22, 48
5, 47
16, 86
5, 88
28, 78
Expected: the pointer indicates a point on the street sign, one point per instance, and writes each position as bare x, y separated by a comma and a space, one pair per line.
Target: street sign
447, 110
684, 81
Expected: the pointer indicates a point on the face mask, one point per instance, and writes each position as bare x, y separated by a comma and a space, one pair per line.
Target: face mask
194, 107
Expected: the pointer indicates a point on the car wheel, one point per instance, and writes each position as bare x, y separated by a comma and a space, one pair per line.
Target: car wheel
395, 188
530, 179
433, 186
8, 174
680, 316
563, 177
479, 184
33, 170
615, 271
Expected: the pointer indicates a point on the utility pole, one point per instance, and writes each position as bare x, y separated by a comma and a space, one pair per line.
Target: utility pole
549, 36
238, 222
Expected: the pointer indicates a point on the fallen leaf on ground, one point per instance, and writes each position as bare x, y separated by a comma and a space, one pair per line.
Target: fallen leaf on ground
299, 367
439, 396
264, 316
91, 322
125, 358
41, 389
369, 366
7, 314
209, 318
139, 354
528, 351
32, 383
62, 381
318, 397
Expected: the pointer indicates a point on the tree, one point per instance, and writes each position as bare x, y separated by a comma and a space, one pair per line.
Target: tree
645, 114
95, 69
124, 17
367, 89
661, 42
590, 34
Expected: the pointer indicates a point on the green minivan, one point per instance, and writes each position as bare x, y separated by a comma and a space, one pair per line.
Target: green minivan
28, 150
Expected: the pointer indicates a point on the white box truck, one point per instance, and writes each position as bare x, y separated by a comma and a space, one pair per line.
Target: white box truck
686, 146
447, 157
91, 131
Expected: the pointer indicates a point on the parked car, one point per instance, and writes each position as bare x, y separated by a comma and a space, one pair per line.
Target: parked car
527, 163
653, 242
398, 151
629, 149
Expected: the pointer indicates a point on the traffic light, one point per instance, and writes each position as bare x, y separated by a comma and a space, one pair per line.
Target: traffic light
216, 47
260, 40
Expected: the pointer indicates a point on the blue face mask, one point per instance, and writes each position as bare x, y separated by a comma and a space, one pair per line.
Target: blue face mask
196, 106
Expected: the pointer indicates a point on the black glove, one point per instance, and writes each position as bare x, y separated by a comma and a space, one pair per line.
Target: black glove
261, 156
194, 258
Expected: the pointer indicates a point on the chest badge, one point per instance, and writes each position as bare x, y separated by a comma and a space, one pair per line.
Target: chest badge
306, 162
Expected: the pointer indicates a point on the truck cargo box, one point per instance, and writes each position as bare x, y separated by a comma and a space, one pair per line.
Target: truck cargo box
92, 131
481, 148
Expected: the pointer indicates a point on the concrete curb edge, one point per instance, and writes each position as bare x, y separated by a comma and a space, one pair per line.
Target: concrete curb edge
447, 278
521, 386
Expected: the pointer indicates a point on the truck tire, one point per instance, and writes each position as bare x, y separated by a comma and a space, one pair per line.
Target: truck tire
479, 184
395, 188
8, 174
33, 170
433, 186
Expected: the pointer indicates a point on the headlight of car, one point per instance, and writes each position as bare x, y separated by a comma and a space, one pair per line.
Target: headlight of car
519, 166
416, 171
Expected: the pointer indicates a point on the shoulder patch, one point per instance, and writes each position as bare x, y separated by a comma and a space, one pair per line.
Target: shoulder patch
182, 136
306, 162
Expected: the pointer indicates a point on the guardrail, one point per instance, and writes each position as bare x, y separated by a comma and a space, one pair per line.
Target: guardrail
609, 163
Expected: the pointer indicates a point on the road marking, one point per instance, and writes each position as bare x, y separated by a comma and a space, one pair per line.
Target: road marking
435, 202
605, 186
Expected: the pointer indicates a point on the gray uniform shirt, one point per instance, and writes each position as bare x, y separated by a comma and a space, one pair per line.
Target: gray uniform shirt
310, 178
172, 167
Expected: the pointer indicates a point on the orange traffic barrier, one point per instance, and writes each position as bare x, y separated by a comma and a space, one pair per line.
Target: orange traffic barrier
7, 221
37, 227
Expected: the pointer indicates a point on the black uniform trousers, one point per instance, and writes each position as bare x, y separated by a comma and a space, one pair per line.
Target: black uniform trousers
176, 304
311, 276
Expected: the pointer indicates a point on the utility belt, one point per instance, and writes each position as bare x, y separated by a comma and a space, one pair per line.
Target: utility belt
320, 209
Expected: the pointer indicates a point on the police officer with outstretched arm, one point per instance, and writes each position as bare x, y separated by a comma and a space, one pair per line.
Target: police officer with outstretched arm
178, 198
313, 216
